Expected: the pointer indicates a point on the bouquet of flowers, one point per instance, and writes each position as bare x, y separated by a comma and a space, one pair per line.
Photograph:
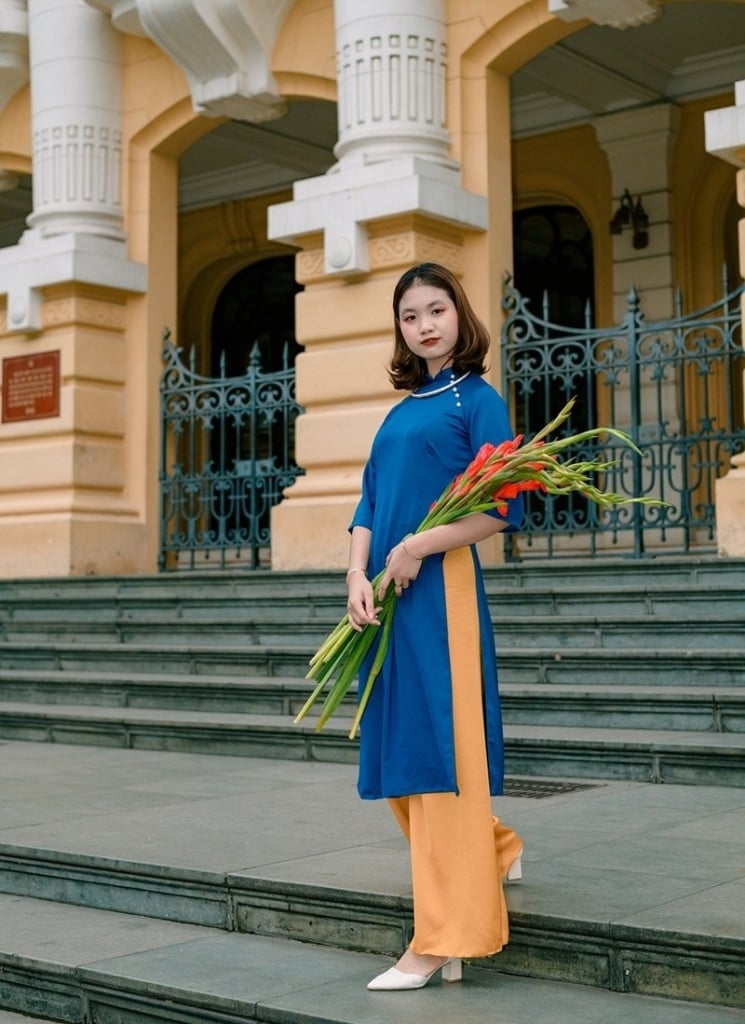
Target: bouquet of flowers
496, 474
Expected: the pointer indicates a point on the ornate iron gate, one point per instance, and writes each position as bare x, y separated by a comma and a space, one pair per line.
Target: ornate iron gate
674, 386
226, 456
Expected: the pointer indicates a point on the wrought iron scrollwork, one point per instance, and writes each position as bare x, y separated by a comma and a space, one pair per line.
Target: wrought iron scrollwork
226, 458
675, 386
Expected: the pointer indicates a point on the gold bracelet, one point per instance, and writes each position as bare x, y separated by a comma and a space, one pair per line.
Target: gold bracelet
406, 551
350, 571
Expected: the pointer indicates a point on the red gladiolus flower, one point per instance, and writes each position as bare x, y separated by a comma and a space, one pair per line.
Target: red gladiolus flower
452, 489
483, 454
507, 491
493, 469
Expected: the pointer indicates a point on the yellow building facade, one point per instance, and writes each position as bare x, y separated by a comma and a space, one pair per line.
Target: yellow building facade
161, 169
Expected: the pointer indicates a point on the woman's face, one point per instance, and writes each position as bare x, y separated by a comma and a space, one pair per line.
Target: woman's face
429, 324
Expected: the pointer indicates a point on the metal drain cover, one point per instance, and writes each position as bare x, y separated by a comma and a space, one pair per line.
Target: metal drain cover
537, 789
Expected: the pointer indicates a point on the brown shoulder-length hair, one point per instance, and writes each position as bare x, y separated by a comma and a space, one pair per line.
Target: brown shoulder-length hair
408, 371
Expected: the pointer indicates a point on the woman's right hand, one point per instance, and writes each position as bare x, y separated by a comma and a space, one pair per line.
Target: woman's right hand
361, 606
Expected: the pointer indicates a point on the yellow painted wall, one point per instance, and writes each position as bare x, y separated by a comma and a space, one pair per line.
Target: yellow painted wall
80, 494
570, 167
15, 133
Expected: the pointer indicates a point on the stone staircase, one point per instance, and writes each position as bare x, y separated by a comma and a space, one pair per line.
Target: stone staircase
150, 885
619, 670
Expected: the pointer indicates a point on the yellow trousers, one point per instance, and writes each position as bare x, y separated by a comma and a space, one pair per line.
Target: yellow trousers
460, 853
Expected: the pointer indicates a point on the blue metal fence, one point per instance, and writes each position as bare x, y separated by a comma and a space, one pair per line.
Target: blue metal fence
675, 386
226, 456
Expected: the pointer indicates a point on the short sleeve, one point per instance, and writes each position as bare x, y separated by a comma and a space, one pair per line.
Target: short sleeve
363, 515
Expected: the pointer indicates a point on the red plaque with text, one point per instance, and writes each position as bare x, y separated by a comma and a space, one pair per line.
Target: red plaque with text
31, 387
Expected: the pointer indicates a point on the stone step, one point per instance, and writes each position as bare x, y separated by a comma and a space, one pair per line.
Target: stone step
643, 755
681, 572
193, 658
618, 667
17, 1018
626, 886
684, 708
571, 752
690, 708
600, 573
211, 604
264, 695
601, 586
268, 629
245, 735
720, 667
567, 950
76, 965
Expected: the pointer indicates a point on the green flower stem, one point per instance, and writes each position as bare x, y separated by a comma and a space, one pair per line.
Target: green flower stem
335, 640
338, 660
374, 670
348, 673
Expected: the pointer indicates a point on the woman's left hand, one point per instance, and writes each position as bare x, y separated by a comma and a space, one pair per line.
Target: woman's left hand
401, 569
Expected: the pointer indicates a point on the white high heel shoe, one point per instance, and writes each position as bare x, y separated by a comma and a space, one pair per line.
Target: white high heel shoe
515, 872
394, 980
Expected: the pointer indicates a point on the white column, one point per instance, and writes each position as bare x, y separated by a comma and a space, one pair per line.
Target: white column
393, 141
75, 230
76, 92
391, 74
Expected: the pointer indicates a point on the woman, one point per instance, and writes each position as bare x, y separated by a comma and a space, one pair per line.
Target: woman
431, 736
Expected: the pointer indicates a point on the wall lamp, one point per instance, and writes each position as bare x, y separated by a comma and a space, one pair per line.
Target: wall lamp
633, 214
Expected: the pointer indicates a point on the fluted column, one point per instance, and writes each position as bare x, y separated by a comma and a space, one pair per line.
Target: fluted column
393, 140
75, 230
391, 73
76, 86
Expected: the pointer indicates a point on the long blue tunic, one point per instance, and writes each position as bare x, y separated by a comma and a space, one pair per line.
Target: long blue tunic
406, 736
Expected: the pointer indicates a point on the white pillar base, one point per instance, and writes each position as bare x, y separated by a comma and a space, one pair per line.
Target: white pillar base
38, 262
730, 505
340, 204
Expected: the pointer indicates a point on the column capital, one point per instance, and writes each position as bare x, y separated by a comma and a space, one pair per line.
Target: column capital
391, 72
76, 103
393, 147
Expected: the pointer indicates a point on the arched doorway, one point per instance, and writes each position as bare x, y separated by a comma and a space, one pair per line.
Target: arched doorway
256, 308
554, 279
554, 272
229, 437
253, 338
